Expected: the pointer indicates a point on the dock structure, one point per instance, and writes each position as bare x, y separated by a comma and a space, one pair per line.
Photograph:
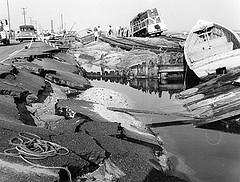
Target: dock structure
165, 65
144, 70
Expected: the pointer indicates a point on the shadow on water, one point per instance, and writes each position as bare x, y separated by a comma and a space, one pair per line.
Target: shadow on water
230, 125
171, 123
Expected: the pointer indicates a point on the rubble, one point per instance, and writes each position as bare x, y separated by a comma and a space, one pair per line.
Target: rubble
102, 144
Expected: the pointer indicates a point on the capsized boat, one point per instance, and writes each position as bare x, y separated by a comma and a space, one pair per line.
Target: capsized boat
210, 47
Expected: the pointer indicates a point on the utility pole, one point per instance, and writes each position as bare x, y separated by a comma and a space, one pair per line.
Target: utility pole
62, 22
52, 26
30, 20
24, 15
8, 16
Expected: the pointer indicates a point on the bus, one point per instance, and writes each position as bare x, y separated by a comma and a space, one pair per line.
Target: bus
147, 23
26, 32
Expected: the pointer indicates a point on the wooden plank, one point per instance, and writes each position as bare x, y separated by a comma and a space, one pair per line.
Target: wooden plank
170, 68
220, 99
175, 119
182, 115
192, 99
217, 118
172, 123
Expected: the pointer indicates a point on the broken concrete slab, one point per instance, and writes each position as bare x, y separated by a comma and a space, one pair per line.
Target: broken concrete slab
53, 64
28, 66
71, 107
8, 109
69, 79
10, 89
80, 143
12, 172
23, 80
64, 57
114, 141
107, 172
5, 69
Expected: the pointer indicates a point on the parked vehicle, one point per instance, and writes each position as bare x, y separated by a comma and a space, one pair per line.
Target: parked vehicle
211, 47
147, 23
26, 32
45, 36
4, 32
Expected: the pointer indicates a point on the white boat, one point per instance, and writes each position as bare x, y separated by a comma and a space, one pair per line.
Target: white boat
210, 46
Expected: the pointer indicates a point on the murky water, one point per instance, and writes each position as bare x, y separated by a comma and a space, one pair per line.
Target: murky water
204, 155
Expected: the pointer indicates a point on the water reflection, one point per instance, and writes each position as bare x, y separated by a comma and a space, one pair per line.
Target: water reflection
151, 86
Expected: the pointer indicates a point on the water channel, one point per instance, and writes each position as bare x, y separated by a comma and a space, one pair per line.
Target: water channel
203, 154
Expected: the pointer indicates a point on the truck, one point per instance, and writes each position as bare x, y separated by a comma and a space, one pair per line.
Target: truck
4, 32
26, 32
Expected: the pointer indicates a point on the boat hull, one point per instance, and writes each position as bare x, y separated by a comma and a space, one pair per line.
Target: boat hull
228, 60
210, 46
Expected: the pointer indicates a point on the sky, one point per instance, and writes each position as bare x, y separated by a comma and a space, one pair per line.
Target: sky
178, 15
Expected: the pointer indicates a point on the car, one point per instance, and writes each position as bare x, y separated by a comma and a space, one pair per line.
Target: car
26, 32
45, 36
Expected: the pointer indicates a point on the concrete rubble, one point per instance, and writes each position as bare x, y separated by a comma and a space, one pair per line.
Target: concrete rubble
47, 95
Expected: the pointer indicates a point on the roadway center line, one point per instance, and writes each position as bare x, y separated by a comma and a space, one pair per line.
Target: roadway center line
12, 54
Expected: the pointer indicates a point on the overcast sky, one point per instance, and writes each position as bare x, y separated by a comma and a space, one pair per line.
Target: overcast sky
178, 15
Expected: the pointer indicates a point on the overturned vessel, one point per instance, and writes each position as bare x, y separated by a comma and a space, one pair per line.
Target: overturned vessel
211, 47
147, 23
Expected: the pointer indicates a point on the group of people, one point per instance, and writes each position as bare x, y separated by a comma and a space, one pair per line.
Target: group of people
122, 32
119, 32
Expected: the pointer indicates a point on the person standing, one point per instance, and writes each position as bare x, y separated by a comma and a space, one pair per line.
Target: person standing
99, 30
109, 31
117, 30
96, 35
126, 32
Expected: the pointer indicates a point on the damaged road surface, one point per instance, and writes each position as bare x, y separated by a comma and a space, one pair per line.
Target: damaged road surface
55, 127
